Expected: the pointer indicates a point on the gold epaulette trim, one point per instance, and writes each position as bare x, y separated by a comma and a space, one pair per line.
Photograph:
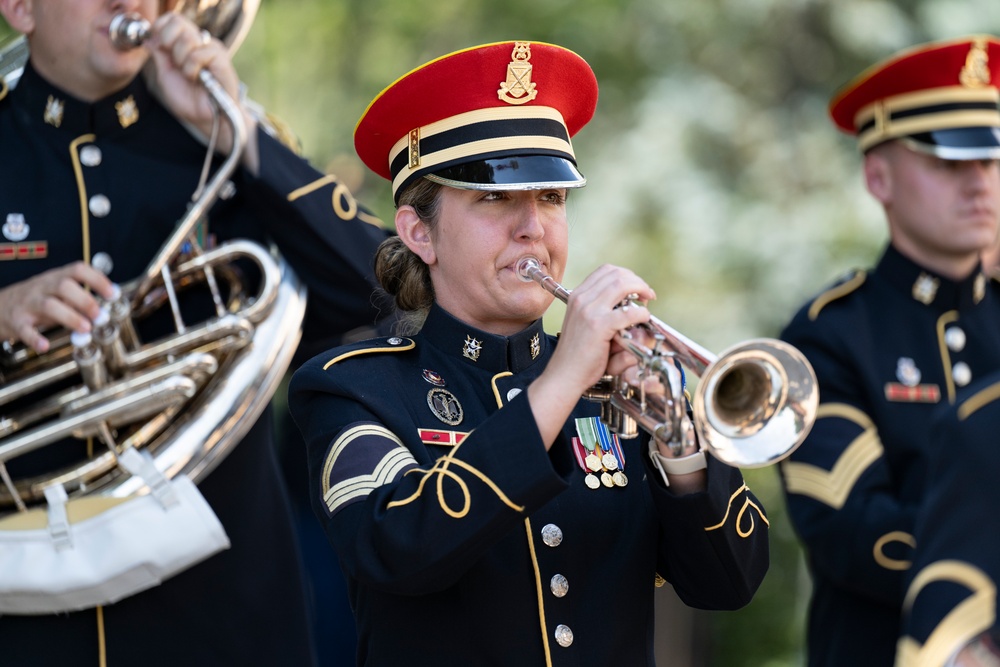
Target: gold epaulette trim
834, 293
3, 88
409, 345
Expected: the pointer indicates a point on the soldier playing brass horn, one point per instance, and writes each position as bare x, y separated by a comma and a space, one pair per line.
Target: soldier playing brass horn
481, 510
98, 164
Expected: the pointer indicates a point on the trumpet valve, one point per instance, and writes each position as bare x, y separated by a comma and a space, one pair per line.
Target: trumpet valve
625, 426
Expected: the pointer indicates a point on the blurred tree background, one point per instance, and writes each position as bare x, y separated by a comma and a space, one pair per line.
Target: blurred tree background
714, 171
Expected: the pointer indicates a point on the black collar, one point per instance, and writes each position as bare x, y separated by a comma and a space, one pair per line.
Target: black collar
928, 287
57, 109
481, 349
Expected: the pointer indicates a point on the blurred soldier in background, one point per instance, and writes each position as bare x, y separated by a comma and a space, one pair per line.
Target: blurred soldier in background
949, 614
891, 344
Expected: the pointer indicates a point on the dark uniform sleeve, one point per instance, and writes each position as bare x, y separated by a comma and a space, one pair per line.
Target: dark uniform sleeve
951, 595
412, 526
326, 236
714, 546
838, 484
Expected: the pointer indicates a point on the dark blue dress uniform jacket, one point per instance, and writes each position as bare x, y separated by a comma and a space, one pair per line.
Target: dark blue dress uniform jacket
466, 543
889, 347
90, 183
952, 586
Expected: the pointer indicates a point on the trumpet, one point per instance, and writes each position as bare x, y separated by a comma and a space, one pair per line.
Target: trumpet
754, 404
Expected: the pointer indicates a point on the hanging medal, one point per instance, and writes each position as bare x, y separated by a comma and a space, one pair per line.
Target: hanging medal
598, 452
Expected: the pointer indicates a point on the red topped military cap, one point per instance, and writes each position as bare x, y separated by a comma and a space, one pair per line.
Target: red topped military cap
939, 98
492, 117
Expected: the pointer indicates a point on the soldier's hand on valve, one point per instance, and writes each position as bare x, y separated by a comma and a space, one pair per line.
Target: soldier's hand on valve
58, 297
587, 350
594, 317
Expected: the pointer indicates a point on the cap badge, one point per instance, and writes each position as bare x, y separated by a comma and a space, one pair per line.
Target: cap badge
54, 111
434, 378
518, 88
536, 347
128, 112
925, 289
472, 348
15, 229
976, 73
445, 406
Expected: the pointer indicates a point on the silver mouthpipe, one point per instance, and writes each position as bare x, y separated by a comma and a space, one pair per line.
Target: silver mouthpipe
128, 31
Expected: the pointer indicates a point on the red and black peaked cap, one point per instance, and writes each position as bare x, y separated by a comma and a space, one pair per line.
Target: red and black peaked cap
491, 117
939, 98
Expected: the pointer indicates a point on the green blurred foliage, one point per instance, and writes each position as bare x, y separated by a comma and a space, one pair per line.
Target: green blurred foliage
714, 172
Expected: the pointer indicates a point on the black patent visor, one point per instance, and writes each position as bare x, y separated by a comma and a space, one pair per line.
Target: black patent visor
518, 172
967, 143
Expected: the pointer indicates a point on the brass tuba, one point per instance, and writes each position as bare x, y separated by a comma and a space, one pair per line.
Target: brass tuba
186, 398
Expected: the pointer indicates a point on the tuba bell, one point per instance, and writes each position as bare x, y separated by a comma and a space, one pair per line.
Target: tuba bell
186, 398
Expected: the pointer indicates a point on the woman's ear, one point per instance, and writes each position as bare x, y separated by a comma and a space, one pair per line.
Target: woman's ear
19, 15
415, 233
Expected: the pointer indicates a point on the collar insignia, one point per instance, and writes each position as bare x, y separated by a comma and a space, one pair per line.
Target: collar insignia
128, 112
15, 229
472, 348
536, 347
518, 88
54, 111
976, 73
925, 289
445, 406
979, 288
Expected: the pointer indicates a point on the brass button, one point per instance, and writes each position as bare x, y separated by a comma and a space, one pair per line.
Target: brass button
962, 373
102, 262
90, 156
564, 636
552, 535
559, 585
99, 206
954, 338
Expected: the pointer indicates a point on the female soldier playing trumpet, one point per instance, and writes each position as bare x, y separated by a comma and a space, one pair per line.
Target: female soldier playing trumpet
480, 511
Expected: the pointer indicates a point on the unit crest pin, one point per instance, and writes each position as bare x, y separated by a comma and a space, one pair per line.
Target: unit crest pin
15, 228
445, 406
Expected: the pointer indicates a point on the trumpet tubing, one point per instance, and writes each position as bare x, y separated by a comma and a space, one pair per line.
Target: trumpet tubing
754, 403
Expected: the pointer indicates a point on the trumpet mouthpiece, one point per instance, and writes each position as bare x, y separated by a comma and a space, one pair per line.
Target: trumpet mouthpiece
526, 266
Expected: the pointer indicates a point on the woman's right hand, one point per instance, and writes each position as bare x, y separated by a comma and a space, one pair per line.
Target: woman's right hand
58, 297
587, 350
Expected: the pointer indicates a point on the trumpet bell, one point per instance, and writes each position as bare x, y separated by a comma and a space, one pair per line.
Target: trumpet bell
756, 403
